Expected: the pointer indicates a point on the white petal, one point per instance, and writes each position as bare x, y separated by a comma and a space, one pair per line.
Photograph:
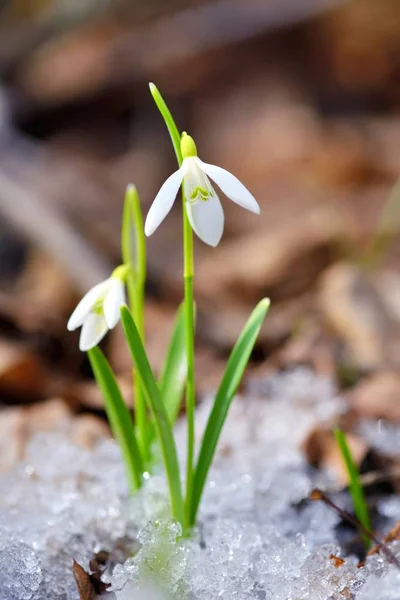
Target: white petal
86, 304
231, 186
207, 219
112, 302
163, 202
93, 330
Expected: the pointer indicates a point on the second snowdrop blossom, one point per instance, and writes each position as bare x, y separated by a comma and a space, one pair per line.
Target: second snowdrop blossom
203, 206
99, 309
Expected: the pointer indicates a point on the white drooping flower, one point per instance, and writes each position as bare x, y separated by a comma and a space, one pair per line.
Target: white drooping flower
99, 310
203, 207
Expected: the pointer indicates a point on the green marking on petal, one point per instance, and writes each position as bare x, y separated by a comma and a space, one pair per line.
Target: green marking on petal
98, 307
200, 193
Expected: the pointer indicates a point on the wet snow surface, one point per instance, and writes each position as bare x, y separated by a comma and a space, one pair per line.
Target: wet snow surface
257, 537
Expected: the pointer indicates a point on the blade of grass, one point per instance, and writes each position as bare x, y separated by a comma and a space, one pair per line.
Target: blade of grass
118, 416
355, 487
230, 382
173, 377
156, 404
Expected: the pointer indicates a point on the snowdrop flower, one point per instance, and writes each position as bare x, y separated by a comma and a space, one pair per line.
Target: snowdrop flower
99, 309
203, 207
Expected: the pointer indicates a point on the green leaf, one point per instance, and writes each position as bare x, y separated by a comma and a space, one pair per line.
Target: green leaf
156, 404
356, 489
118, 416
169, 121
133, 243
173, 377
234, 371
133, 247
128, 230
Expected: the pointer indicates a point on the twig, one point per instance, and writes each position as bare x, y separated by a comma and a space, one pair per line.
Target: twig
317, 494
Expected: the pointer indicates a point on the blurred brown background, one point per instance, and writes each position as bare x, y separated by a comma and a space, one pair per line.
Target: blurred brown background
299, 98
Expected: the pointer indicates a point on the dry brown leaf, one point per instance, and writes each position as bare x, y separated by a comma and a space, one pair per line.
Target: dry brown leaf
46, 293
311, 346
280, 261
83, 583
377, 397
355, 311
22, 374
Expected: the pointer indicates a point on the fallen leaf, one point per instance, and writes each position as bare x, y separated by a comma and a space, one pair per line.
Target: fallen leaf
22, 374
352, 307
377, 397
83, 582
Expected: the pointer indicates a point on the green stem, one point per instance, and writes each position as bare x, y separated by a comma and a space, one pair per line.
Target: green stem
134, 255
188, 273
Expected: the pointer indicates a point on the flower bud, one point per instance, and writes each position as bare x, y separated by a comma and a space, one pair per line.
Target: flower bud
188, 146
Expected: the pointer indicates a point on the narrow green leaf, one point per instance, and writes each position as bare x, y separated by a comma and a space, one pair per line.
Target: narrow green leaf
156, 404
133, 247
128, 231
118, 416
133, 243
173, 377
355, 487
169, 121
230, 382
